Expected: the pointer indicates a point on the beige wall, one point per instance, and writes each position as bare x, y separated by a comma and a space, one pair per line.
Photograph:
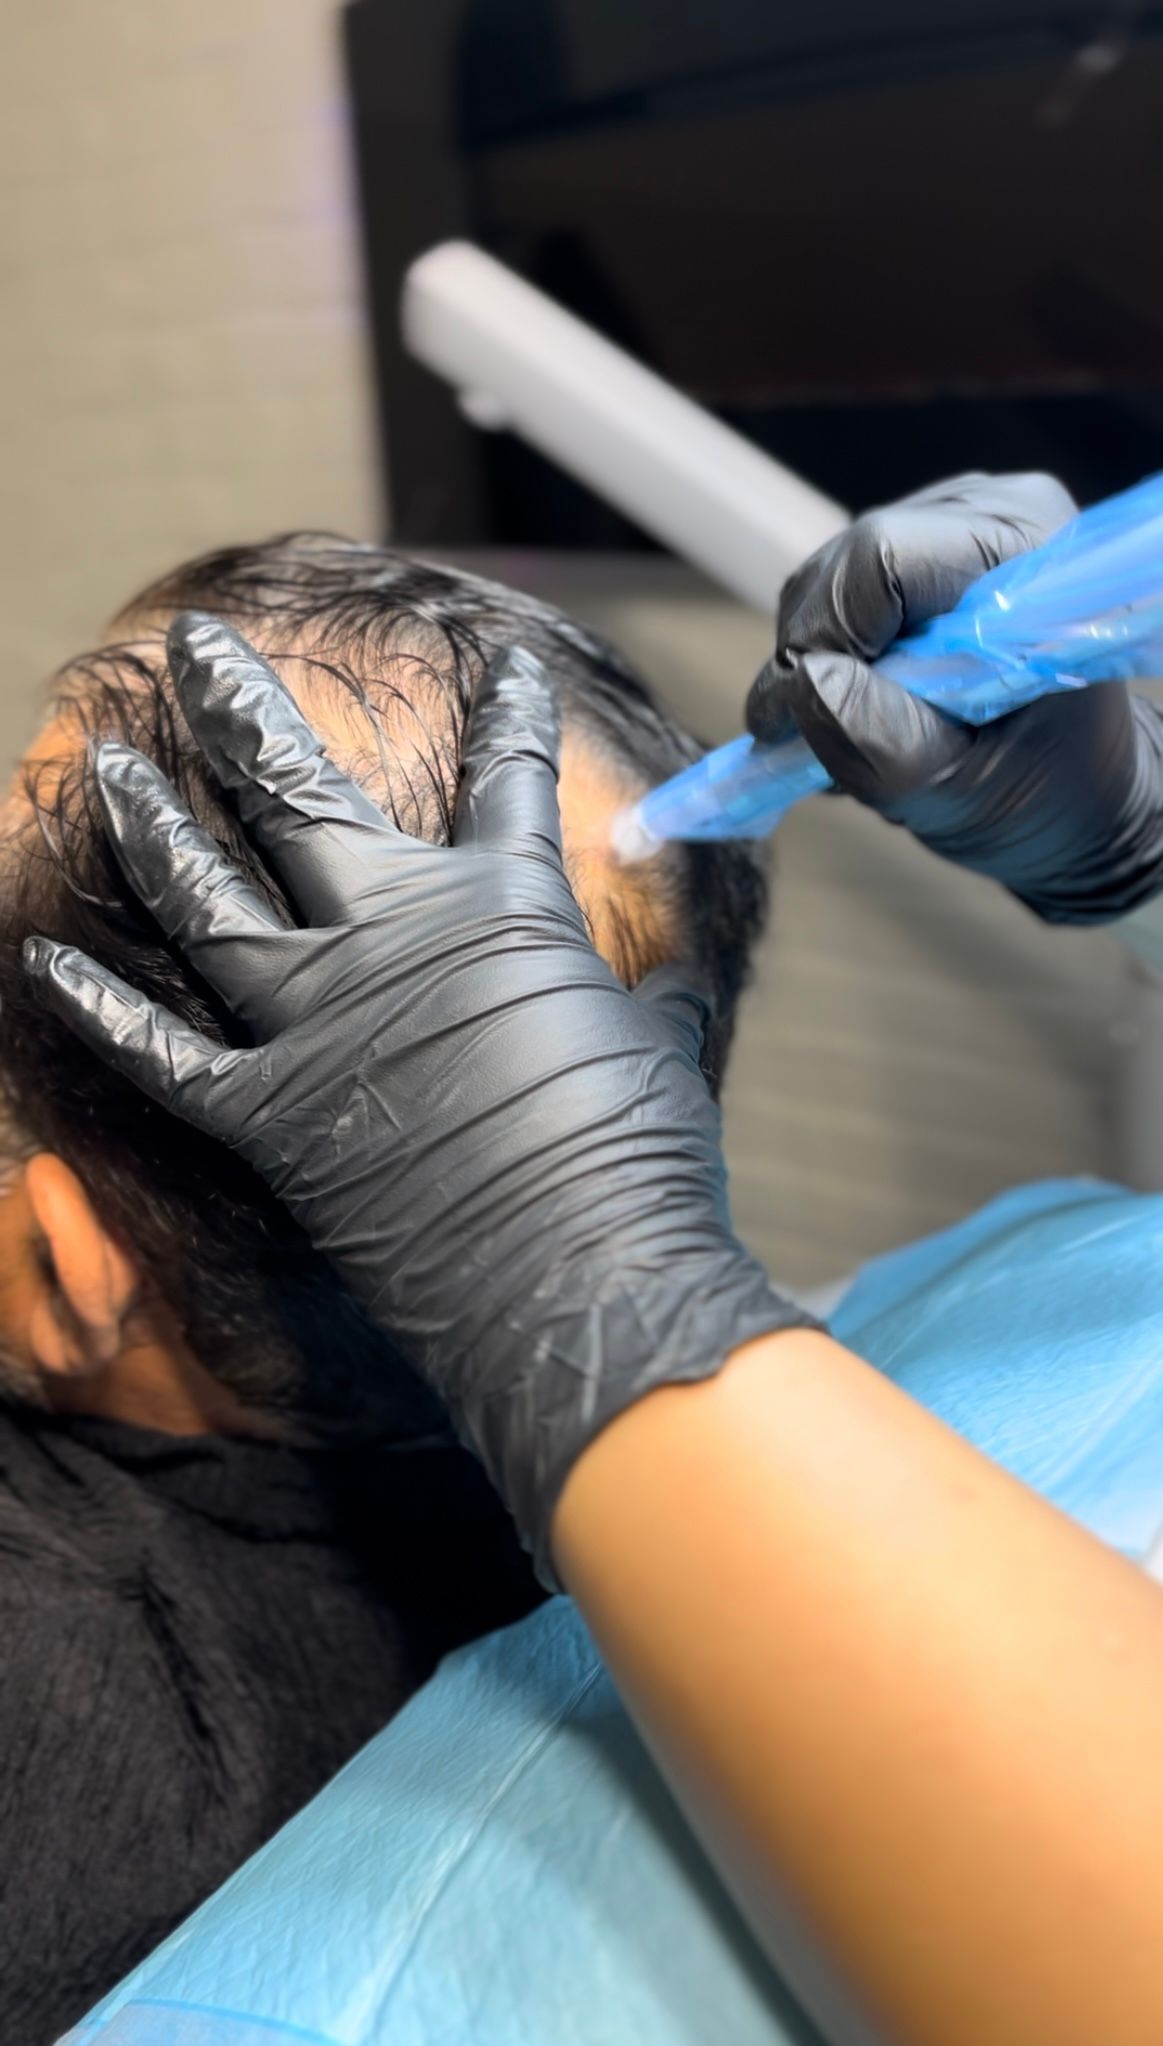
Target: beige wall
181, 346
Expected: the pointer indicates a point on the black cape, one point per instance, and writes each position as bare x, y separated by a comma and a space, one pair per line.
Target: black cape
195, 1634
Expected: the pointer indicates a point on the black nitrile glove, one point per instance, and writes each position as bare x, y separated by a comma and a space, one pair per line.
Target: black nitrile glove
1062, 801
511, 1159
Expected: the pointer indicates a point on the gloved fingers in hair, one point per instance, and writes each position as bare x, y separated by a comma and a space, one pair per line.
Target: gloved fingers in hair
326, 840
508, 791
198, 897
166, 1058
678, 996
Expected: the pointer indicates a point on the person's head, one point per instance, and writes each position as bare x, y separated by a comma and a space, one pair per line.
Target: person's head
121, 1229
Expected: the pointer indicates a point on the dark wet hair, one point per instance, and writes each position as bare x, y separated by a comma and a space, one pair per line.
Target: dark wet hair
260, 1309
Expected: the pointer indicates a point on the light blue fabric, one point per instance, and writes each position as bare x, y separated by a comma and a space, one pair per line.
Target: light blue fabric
1036, 1330
503, 1866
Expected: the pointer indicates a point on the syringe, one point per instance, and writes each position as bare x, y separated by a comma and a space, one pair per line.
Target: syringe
1086, 607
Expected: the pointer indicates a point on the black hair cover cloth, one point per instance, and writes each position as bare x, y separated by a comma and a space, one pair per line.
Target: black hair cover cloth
197, 1633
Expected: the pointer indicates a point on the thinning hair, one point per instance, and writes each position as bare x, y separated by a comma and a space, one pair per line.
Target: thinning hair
401, 643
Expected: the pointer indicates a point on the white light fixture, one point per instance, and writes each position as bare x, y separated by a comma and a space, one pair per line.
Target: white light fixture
519, 361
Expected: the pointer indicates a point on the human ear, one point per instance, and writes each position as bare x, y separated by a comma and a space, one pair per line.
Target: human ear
87, 1282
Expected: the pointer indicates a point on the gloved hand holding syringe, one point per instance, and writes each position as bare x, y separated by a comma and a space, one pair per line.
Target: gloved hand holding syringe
1085, 607
1062, 803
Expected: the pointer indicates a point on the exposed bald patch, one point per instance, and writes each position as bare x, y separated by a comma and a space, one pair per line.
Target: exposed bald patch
398, 733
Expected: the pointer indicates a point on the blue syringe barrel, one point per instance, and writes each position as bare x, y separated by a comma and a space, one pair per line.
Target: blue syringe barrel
1086, 607
741, 790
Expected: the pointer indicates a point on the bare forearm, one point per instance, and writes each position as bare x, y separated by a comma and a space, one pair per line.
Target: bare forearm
892, 1686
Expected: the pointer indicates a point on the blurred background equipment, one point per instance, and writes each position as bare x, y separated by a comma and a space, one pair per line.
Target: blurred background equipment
887, 243
519, 363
